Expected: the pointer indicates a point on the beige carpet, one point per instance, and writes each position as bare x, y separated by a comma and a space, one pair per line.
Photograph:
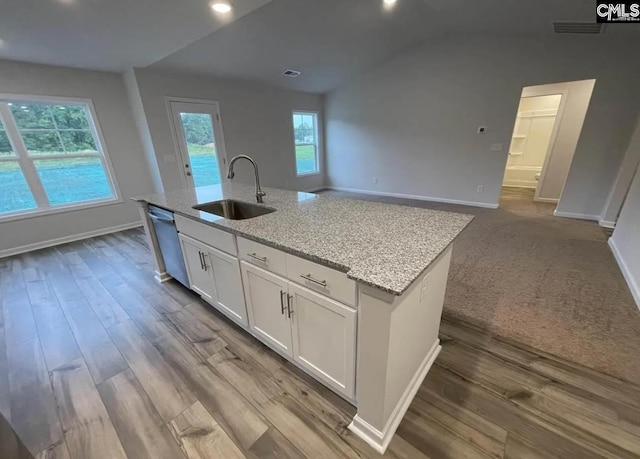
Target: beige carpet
548, 282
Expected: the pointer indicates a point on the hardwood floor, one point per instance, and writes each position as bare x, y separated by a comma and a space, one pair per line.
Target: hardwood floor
99, 361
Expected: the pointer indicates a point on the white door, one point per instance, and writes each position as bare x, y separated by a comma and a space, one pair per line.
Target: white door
266, 296
198, 268
324, 338
198, 136
229, 297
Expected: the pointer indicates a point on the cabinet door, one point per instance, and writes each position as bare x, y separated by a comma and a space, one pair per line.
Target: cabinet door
266, 296
229, 298
324, 338
199, 273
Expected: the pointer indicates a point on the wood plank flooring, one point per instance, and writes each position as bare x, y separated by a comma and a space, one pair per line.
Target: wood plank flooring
99, 361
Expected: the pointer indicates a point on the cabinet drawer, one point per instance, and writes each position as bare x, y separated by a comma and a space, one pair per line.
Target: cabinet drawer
214, 237
262, 255
321, 279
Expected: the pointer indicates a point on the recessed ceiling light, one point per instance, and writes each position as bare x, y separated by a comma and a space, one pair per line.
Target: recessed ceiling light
221, 7
389, 2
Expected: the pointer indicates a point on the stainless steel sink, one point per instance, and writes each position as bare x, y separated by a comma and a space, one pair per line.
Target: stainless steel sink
233, 210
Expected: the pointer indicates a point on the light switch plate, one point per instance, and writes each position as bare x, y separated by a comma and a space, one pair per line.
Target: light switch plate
496, 147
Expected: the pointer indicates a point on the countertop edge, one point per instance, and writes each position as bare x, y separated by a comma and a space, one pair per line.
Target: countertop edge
306, 256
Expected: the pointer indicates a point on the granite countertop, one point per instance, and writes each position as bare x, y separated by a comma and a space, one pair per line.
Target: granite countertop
382, 245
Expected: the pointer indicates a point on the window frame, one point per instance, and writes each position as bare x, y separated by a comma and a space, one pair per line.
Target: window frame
26, 161
318, 144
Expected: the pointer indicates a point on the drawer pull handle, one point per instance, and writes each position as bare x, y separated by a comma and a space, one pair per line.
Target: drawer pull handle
315, 281
201, 260
282, 302
256, 257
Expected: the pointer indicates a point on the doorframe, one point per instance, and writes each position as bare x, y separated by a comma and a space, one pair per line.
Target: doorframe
552, 142
218, 134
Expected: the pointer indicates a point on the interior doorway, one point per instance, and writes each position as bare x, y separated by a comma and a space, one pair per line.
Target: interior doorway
545, 135
533, 133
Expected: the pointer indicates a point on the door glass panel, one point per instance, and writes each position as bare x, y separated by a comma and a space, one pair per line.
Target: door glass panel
73, 179
14, 191
201, 145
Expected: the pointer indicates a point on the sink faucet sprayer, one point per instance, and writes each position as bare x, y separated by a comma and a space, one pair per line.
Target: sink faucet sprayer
230, 175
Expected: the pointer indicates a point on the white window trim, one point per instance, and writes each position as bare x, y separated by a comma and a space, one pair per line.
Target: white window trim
318, 143
39, 195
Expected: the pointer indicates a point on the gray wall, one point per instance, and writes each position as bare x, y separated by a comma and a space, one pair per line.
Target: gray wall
623, 180
412, 121
107, 91
256, 120
626, 238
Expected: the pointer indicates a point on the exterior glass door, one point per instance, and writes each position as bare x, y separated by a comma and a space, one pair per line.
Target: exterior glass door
199, 137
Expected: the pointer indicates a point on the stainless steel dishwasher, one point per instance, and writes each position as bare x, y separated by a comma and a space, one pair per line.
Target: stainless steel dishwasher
167, 235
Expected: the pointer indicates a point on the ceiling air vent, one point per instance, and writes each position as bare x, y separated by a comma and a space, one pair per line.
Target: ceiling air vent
291, 73
578, 27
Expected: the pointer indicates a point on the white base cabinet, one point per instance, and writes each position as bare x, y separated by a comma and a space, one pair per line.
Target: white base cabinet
324, 338
318, 333
266, 296
215, 276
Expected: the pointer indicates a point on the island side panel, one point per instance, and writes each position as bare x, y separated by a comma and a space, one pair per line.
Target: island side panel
160, 274
403, 334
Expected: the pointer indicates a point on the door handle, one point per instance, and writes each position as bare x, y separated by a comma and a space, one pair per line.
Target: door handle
189, 173
289, 307
282, 302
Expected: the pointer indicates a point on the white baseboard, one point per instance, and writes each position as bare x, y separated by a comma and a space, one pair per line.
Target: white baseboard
549, 200
379, 440
66, 239
606, 224
414, 196
576, 215
161, 277
631, 282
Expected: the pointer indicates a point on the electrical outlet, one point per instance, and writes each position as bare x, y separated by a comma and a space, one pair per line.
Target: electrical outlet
496, 147
375, 179
480, 188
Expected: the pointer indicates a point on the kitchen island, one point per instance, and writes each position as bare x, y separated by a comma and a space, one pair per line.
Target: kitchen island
350, 291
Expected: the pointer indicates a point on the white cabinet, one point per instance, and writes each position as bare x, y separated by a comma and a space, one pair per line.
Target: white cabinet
317, 332
324, 338
266, 296
228, 295
199, 277
215, 276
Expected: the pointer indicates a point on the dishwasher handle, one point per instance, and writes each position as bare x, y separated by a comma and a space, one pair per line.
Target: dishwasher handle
160, 215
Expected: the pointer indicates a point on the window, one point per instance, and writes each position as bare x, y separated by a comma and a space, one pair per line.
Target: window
50, 157
305, 133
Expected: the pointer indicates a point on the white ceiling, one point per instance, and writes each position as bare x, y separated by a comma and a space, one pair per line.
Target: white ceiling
328, 40
107, 34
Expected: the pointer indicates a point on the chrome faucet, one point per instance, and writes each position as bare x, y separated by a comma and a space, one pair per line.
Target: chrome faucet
230, 175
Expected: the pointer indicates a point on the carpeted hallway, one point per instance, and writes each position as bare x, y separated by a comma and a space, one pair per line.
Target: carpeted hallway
547, 282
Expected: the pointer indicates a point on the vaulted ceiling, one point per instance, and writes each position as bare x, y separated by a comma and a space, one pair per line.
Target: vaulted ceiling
327, 40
